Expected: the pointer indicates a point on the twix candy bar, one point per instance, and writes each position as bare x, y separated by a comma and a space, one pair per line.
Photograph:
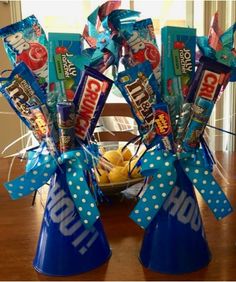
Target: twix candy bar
89, 100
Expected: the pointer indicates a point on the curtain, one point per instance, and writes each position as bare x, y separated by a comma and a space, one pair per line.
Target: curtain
224, 114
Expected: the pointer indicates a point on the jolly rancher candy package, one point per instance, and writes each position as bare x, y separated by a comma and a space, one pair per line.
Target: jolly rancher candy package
64, 64
178, 66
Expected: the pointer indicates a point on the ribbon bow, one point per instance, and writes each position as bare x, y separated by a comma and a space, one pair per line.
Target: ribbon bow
160, 165
73, 163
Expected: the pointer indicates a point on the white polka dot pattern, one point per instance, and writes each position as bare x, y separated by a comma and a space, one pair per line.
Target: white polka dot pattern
205, 183
164, 176
33, 179
160, 167
38, 175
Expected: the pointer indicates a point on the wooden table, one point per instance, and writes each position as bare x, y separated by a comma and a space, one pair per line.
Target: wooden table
20, 224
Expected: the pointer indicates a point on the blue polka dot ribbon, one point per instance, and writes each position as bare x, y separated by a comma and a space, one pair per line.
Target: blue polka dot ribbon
201, 177
40, 169
160, 165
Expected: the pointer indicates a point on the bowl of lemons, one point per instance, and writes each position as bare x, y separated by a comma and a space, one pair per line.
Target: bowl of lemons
117, 170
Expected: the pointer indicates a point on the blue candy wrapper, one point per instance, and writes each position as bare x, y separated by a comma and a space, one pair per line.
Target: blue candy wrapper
25, 41
143, 46
139, 88
27, 99
202, 110
23, 92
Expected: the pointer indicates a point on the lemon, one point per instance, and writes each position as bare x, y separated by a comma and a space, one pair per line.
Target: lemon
104, 164
117, 174
102, 176
114, 157
126, 153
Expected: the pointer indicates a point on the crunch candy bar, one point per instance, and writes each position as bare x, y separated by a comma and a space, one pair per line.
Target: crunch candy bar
89, 100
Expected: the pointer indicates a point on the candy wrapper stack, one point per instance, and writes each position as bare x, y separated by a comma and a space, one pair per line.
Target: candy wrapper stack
58, 89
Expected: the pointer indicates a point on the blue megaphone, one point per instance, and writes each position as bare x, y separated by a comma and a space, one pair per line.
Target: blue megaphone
175, 240
65, 247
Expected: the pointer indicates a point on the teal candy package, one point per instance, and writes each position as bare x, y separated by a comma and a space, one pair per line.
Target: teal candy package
139, 88
64, 64
178, 60
177, 67
25, 41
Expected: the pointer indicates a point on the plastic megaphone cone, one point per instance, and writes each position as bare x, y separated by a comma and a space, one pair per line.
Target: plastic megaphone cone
175, 241
65, 247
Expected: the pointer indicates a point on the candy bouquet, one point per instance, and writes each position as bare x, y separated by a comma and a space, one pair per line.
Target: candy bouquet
58, 89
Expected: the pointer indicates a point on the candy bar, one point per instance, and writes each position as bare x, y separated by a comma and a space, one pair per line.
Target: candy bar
40, 121
89, 100
64, 64
139, 87
66, 122
25, 41
208, 80
202, 110
27, 99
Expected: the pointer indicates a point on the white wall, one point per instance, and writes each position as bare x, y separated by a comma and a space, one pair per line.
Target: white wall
10, 125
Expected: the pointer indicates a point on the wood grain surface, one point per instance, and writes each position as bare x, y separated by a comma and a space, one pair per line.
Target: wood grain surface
20, 224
